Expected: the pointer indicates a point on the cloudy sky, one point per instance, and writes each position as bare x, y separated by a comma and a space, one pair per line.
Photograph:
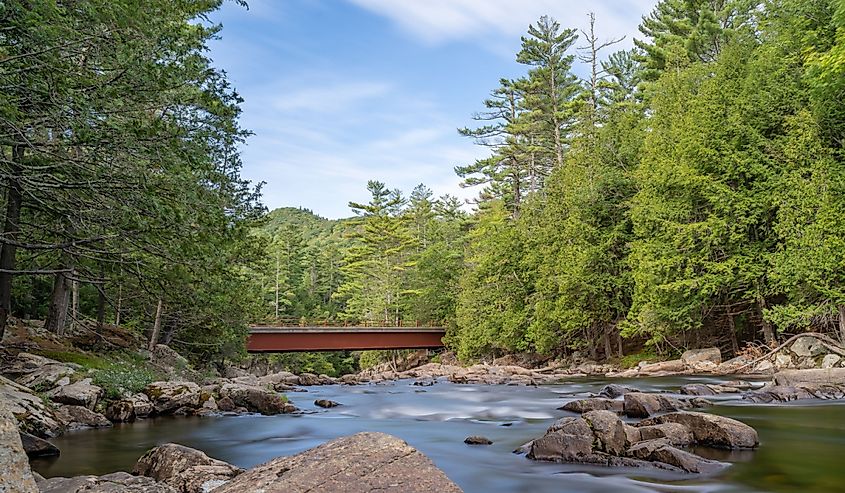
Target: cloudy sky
339, 92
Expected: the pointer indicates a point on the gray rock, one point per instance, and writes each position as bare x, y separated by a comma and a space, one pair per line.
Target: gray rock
581, 406
37, 447
119, 482
830, 361
256, 399
15, 475
168, 397
707, 358
185, 469
325, 403
829, 376
80, 418
360, 463
711, 430
37, 372
308, 379
82, 393
642, 405
783, 360
608, 430
807, 347
477, 440
676, 434
786, 393
33, 415
697, 389
664, 367
660, 450
614, 390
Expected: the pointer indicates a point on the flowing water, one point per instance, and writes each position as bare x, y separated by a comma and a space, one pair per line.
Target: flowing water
802, 446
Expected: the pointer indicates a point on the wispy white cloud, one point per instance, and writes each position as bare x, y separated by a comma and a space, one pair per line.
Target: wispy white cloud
437, 21
334, 97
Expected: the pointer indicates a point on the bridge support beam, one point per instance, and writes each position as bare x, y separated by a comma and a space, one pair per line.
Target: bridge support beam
290, 340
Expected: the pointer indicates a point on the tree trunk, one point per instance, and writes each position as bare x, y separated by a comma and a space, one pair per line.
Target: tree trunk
11, 227
74, 305
101, 301
608, 349
732, 327
59, 299
842, 323
117, 308
156, 326
768, 331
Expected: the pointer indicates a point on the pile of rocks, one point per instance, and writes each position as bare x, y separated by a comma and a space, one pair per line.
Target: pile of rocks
602, 438
791, 385
359, 463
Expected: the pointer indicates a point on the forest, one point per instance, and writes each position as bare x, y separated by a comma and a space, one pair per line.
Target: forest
688, 191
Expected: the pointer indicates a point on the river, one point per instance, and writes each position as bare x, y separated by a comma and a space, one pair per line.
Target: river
802, 446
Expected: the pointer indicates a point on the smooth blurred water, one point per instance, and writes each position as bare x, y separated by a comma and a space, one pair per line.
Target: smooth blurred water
802, 446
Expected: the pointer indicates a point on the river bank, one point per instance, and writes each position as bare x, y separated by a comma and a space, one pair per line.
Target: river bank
54, 400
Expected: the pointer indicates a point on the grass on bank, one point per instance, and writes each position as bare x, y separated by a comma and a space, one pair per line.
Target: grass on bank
118, 373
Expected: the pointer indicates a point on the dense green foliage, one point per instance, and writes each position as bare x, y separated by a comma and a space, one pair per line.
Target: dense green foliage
121, 187
699, 197
689, 189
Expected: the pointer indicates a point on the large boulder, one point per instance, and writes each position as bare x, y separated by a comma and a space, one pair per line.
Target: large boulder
711, 430
81, 393
608, 430
702, 359
567, 440
15, 475
129, 409
38, 447
187, 470
80, 418
169, 397
118, 482
581, 406
807, 347
33, 415
360, 463
37, 372
256, 399
643, 405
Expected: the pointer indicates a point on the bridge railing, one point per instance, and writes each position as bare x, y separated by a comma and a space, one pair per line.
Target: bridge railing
315, 322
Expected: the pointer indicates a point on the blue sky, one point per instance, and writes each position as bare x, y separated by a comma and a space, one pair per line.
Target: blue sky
339, 92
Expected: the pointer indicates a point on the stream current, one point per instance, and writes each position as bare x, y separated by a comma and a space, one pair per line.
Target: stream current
802, 446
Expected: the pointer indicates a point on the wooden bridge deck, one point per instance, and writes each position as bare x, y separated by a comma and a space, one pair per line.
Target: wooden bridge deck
281, 338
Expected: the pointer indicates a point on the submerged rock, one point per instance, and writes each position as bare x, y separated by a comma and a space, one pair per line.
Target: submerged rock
477, 440
325, 403
360, 463
185, 469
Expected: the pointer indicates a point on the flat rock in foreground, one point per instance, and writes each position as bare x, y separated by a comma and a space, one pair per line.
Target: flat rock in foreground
362, 462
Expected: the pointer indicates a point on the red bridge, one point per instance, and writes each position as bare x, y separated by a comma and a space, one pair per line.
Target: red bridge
285, 336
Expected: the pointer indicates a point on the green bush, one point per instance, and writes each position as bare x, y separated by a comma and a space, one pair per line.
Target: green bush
120, 378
